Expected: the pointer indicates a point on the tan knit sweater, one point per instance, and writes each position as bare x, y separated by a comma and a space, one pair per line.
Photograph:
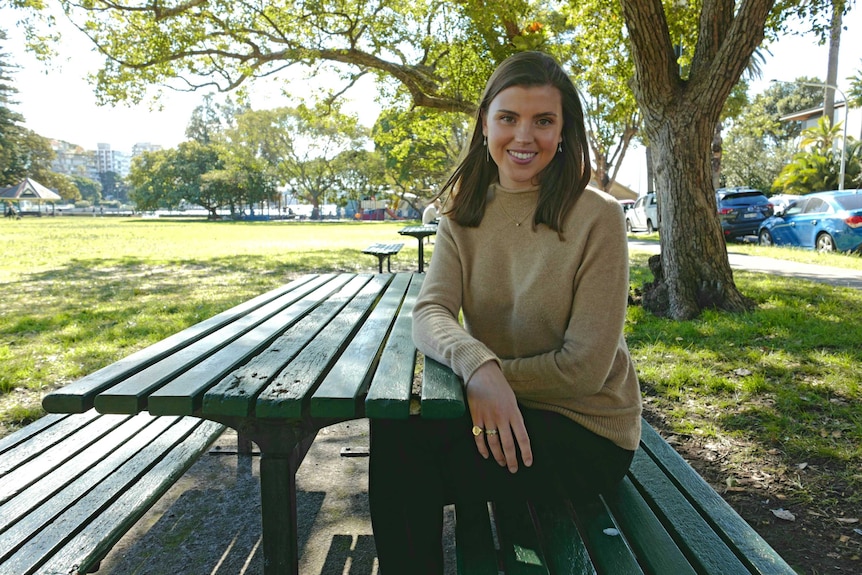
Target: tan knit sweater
550, 312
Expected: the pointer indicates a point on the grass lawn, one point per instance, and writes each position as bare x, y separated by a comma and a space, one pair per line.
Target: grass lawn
766, 405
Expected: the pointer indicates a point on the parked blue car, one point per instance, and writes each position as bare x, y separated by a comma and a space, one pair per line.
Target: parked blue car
825, 221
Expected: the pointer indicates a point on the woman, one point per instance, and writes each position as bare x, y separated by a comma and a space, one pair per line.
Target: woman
538, 265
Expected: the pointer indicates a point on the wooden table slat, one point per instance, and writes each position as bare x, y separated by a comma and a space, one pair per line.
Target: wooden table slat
130, 395
442, 392
285, 396
389, 394
338, 393
78, 396
184, 394
236, 394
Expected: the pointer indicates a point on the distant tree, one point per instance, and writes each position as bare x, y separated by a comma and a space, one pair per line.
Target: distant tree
758, 143
211, 119
152, 181
88, 189
855, 93
419, 148
816, 167
301, 145
12, 162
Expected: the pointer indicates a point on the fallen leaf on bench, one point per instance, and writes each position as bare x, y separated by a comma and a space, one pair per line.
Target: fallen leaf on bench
783, 514
611, 531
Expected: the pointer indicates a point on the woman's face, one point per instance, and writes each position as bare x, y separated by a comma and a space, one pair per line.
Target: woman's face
524, 127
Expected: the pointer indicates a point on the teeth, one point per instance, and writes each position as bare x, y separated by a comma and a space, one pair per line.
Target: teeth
523, 155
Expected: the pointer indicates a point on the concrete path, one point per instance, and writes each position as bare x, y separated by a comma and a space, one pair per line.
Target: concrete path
811, 272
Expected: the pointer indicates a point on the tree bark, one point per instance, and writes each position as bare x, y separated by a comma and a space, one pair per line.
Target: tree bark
680, 117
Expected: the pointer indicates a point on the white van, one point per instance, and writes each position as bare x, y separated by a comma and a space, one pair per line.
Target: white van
643, 216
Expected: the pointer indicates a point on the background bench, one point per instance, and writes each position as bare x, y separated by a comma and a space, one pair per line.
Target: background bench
72, 485
383, 251
666, 520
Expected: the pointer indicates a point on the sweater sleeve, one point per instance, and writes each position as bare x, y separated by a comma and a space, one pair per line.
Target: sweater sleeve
592, 345
437, 331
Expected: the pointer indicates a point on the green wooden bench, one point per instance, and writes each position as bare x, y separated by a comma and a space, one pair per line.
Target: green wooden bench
665, 520
72, 485
383, 251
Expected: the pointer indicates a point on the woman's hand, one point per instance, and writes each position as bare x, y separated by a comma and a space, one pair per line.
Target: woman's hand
493, 407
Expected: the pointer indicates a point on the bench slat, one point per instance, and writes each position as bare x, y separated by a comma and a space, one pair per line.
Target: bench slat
22, 451
520, 549
475, 553
77, 397
235, 394
337, 396
31, 470
442, 392
692, 533
565, 549
748, 545
113, 523
119, 501
649, 539
390, 389
285, 396
25, 433
37, 506
610, 552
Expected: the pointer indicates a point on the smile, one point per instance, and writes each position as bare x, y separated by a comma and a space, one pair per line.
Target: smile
522, 155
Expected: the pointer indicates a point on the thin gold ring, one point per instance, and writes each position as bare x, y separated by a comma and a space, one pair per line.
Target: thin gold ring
477, 431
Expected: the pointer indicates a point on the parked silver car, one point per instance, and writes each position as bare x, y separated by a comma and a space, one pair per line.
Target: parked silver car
643, 215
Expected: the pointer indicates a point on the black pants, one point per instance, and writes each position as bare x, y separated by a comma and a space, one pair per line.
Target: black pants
417, 466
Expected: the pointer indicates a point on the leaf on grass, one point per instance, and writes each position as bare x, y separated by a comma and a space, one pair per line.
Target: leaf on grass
801, 466
783, 514
848, 520
742, 372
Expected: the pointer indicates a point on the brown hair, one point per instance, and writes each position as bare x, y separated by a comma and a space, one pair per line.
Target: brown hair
562, 181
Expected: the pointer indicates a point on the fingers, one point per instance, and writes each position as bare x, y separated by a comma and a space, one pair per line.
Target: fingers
504, 443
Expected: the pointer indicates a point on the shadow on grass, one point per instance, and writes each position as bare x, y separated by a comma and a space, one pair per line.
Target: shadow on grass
785, 376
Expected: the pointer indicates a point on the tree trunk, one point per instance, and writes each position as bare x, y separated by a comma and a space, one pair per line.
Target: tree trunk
717, 150
680, 117
695, 268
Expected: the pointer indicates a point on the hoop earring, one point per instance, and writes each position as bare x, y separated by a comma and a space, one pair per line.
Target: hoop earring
559, 146
487, 153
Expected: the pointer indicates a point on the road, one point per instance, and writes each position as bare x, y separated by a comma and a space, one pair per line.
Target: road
812, 272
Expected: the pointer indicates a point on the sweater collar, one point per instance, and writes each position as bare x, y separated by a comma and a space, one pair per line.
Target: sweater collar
496, 187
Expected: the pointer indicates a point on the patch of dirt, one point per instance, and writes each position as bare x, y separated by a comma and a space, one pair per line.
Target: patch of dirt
816, 536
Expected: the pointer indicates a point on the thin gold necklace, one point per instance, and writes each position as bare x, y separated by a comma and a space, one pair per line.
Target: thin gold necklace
515, 221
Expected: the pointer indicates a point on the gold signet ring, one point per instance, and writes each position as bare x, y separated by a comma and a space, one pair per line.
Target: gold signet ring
477, 431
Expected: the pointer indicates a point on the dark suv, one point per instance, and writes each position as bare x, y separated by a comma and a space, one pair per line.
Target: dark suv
741, 210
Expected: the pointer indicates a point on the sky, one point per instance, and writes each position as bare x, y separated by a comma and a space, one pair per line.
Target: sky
58, 103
